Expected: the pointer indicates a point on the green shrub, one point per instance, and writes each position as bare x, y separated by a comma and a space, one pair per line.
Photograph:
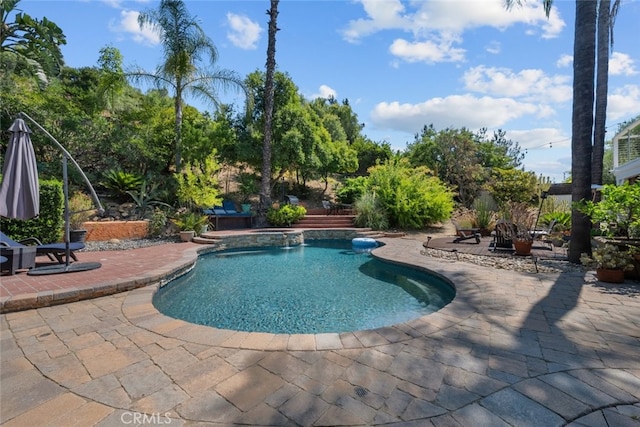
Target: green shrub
351, 190
618, 213
80, 209
285, 215
157, 223
49, 224
370, 213
412, 196
483, 214
190, 220
119, 182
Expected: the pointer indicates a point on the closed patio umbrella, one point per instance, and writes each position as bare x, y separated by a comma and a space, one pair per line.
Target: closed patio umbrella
19, 191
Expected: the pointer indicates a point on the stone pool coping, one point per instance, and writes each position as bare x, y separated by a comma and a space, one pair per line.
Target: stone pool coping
140, 311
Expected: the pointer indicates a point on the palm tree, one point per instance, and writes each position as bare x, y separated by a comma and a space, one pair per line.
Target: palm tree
587, 132
30, 44
187, 53
265, 188
584, 53
606, 17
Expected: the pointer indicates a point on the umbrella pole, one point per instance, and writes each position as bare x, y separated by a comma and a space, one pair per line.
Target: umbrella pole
65, 187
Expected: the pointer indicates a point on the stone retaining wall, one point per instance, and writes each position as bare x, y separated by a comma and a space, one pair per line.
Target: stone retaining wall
99, 231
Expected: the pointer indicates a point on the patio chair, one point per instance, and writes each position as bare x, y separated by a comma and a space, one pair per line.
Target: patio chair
466, 234
55, 251
503, 236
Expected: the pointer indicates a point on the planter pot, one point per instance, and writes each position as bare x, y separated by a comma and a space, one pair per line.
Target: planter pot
523, 247
610, 276
77, 235
187, 236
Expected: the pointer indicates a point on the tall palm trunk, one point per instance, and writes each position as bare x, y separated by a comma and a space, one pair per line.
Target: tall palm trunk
178, 139
269, 88
584, 48
602, 85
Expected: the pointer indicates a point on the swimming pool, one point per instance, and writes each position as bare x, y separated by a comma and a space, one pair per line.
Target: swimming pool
320, 287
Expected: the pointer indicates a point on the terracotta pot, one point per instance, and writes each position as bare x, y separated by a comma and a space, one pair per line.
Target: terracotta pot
610, 276
187, 236
523, 247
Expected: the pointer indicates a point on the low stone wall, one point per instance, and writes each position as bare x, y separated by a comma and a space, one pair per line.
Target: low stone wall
284, 237
99, 231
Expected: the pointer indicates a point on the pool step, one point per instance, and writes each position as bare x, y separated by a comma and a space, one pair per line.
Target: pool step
326, 221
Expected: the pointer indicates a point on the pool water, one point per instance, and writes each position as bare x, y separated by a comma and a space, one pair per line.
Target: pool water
321, 287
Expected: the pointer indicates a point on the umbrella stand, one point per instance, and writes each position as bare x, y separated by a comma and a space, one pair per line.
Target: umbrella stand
67, 267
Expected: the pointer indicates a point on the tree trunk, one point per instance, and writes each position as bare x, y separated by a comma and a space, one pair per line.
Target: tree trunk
265, 188
584, 52
602, 83
178, 108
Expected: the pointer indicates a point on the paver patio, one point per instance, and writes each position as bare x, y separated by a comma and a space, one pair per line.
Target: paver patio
512, 349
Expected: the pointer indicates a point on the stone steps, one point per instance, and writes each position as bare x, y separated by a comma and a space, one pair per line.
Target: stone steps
326, 221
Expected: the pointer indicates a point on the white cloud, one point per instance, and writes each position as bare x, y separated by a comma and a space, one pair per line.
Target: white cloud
128, 25
494, 47
437, 25
448, 17
623, 103
564, 61
621, 64
427, 51
530, 84
244, 32
324, 92
456, 111
540, 138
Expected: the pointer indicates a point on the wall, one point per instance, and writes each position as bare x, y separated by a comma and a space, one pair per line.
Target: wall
107, 230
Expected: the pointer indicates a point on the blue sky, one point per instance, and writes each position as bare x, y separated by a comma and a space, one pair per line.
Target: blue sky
401, 64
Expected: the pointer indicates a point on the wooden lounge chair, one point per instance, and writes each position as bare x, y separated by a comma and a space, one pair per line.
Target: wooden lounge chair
503, 236
466, 234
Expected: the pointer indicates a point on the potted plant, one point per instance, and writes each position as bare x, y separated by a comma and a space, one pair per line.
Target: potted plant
247, 188
523, 217
80, 211
190, 224
610, 262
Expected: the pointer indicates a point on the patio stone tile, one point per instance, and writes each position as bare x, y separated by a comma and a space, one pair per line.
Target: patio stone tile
328, 342
554, 399
48, 411
175, 360
144, 381
204, 374
419, 409
102, 363
242, 359
339, 416
477, 416
161, 401
209, 407
248, 388
429, 374
88, 414
301, 342
106, 390
518, 410
451, 398
28, 390
304, 408
264, 415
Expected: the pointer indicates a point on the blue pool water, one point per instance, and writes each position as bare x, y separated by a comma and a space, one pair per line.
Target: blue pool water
321, 287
